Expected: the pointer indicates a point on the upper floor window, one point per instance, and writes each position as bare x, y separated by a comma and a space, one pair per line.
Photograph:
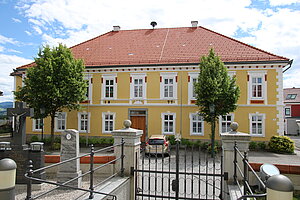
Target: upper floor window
225, 122
89, 81
108, 122
257, 86
287, 111
196, 124
138, 86
60, 121
192, 79
84, 122
168, 85
168, 123
109, 86
257, 124
291, 96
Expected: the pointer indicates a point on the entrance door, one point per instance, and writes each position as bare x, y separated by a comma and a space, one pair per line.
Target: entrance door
139, 122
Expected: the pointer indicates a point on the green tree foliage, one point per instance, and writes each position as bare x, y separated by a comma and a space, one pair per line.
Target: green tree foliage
215, 89
54, 84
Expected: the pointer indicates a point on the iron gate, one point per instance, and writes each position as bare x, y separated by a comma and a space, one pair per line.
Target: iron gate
185, 173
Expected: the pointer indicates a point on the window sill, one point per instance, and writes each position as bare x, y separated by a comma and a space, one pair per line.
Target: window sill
257, 101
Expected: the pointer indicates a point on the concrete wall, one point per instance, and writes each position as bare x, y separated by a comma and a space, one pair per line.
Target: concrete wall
291, 126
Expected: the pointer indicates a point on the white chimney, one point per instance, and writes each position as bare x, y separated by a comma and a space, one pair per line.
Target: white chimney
194, 23
116, 28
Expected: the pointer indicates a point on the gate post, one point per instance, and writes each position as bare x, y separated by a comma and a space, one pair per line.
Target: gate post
131, 149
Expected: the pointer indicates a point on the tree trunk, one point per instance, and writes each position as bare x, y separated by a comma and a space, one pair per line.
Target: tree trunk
52, 130
213, 126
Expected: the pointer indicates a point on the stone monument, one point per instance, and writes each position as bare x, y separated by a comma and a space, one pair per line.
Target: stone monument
69, 149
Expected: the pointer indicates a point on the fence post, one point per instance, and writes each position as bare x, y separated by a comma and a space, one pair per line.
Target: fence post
235, 163
122, 157
245, 178
279, 187
91, 171
29, 183
7, 178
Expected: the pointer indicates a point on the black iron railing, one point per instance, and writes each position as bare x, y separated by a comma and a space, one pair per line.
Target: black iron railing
30, 174
246, 191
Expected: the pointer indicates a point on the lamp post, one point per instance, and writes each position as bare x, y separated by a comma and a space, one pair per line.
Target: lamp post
212, 112
42, 111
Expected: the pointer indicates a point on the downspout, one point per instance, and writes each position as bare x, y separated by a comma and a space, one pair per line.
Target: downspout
289, 63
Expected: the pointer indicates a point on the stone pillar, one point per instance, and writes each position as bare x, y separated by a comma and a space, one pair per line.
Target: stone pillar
132, 139
228, 140
69, 149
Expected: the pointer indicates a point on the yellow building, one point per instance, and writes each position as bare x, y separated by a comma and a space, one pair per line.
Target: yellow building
147, 76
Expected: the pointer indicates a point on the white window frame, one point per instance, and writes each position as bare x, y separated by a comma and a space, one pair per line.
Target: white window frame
163, 123
132, 86
263, 124
168, 75
57, 119
288, 107
34, 123
191, 88
257, 74
88, 78
221, 122
191, 124
88, 122
106, 77
103, 121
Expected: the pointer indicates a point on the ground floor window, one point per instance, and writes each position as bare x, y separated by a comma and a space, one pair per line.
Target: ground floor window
38, 124
225, 122
60, 121
196, 124
83, 122
168, 123
108, 122
257, 124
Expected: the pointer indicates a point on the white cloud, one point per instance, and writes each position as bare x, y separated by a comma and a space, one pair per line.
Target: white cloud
28, 33
2, 48
16, 20
4, 40
291, 78
282, 2
7, 64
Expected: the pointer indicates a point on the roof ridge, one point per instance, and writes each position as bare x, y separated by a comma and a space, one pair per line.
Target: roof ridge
243, 43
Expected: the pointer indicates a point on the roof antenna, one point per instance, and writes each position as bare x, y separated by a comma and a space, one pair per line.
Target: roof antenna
153, 24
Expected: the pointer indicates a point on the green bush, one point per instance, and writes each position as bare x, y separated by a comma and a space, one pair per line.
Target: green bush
56, 146
186, 142
252, 145
171, 139
204, 146
262, 145
57, 140
281, 144
216, 147
34, 138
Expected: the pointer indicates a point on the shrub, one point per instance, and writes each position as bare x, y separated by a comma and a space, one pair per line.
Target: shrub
204, 146
57, 140
56, 146
186, 142
34, 138
198, 143
252, 145
281, 144
171, 139
262, 145
216, 147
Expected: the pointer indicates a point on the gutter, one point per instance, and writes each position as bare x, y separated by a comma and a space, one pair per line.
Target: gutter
290, 63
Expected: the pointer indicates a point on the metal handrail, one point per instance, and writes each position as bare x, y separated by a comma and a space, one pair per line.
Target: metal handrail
244, 174
30, 172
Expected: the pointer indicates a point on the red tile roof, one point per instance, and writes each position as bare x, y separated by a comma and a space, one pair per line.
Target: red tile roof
164, 46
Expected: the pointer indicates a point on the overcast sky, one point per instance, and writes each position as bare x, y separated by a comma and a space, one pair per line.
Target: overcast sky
25, 25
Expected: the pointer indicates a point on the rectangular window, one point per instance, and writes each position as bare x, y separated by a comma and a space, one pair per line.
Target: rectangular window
168, 85
61, 121
226, 120
196, 124
287, 111
291, 96
168, 123
83, 122
109, 88
108, 122
257, 87
38, 124
138, 87
194, 81
257, 124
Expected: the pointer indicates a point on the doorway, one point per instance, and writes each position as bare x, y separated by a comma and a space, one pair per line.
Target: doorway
138, 118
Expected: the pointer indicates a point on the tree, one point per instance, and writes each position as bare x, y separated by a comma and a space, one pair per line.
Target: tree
55, 83
216, 92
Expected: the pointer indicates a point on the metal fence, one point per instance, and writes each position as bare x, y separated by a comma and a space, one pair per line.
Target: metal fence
30, 174
245, 188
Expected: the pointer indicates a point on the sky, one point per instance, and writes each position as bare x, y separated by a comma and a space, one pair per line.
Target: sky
27, 25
